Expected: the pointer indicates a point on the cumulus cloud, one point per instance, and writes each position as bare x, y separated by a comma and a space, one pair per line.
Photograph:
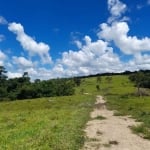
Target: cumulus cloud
24, 65
139, 62
29, 44
22, 62
2, 55
14, 74
3, 20
99, 56
93, 57
118, 32
2, 58
116, 9
78, 43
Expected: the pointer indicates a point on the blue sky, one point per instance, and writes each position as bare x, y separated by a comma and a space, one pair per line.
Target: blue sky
63, 38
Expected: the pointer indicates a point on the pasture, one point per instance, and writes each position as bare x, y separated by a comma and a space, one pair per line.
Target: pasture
57, 123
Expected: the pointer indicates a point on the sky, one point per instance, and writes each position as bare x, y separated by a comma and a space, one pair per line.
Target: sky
66, 38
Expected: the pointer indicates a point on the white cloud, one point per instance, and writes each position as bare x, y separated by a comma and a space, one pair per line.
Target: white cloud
13, 74
43, 73
118, 32
93, 57
22, 62
34, 73
139, 62
2, 55
148, 2
78, 43
2, 58
3, 20
23, 65
116, 8
29, 44
125, 18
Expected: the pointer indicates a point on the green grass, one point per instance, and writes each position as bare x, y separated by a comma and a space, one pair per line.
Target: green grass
121, 97
57, 123
141, 130
47, 123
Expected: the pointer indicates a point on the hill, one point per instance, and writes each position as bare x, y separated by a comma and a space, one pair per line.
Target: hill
57, 123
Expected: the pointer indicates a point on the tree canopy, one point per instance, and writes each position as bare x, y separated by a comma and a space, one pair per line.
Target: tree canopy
23, 88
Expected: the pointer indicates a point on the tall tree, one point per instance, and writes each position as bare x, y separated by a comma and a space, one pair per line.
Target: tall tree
3, 75
3, 78
138, 78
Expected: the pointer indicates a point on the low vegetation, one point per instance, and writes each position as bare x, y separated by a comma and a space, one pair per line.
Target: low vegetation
121, 95
47, 123
99, 118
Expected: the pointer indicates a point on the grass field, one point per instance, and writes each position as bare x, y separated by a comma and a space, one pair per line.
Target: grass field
120, 95
44, 124
57, 123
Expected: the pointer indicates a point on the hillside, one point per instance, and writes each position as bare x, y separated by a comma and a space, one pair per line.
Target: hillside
57, 123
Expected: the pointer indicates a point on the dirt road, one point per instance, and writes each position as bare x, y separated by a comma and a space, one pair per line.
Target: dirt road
108, 132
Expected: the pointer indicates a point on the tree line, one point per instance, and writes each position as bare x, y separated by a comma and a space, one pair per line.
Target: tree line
23, 88
141, 80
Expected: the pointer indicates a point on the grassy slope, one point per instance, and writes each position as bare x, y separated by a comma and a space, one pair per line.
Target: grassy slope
120, 94
48, 123
57, 123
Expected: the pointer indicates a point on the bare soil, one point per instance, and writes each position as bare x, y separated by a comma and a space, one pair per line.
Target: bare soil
108, 132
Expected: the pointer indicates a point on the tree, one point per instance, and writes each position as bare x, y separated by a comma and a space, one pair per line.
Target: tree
22, 88
64, 87
37, 81
25, 74
12, 88
77, 81
97, 87
98, 79
108, 79
138, 78
3, 76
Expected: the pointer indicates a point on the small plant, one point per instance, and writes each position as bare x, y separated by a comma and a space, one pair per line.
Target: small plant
116, 113
92, 139
99, 118
142, 131
99, 132
107, 145
113, 142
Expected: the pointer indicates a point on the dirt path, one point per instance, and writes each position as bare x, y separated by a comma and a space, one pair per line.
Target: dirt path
111, 132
